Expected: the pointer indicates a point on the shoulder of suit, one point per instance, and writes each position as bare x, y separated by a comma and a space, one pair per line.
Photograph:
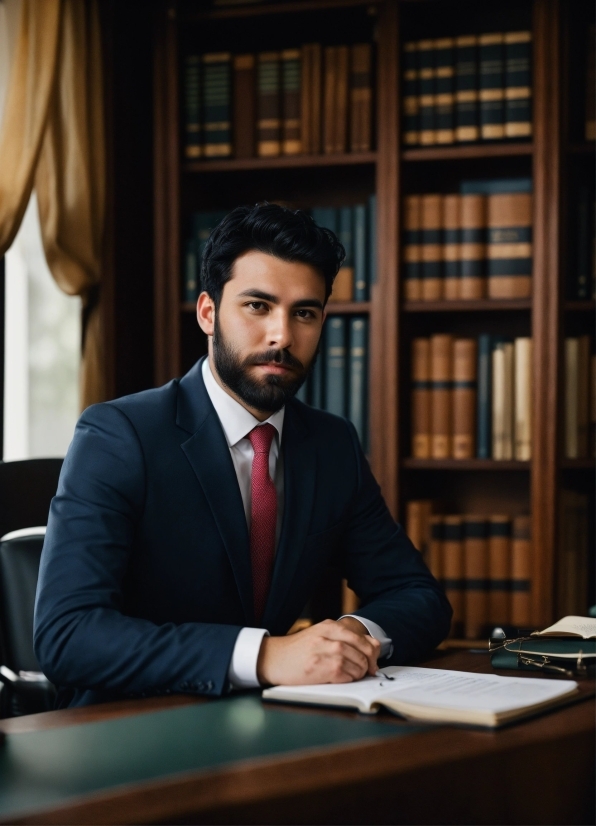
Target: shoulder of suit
151, 401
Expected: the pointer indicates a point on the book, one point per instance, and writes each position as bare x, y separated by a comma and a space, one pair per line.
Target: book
361, 96
441, 372
217, 105
311, 97
269, 134
418, 514
572, 556
484, 398
343, 286
421, 399
431, 252
244, 97
453, 571
193, 147
451, 246
412, 255
358, 375
476, 576
518, 84
436, 695
464, 398
426, 92
590, 111
583, 396
435, 550
582, 627
372, 249
522, 371
361, 253
329, 92
191, 272
509, 247
316, 380
444, 90
491, 86
472, 245
466, 89
499, 569
571, 397
341, 99
502, 398
521, 574
290, 84
335, 365
410, 101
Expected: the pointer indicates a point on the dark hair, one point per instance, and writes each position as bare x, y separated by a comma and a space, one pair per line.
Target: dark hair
291, 235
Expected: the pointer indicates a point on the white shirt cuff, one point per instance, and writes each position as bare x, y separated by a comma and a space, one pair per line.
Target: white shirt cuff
242, 672
377, 632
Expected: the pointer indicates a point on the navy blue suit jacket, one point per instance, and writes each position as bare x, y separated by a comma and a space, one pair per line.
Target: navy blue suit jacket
145, 578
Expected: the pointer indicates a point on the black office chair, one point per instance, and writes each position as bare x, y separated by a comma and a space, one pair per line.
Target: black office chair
26, 490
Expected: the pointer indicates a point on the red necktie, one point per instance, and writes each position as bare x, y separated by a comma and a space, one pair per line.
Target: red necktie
263, 516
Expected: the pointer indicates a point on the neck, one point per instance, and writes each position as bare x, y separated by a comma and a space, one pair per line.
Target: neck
260, 415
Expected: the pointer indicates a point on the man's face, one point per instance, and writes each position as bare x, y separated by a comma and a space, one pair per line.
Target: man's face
266, 330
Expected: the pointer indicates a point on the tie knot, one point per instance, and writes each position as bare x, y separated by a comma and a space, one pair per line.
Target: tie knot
261, 437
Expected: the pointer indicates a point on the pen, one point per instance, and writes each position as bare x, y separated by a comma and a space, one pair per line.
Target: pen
383, 676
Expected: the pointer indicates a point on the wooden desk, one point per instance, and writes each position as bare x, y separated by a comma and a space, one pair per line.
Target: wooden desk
539, 771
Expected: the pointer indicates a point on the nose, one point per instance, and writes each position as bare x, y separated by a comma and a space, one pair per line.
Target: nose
279, 330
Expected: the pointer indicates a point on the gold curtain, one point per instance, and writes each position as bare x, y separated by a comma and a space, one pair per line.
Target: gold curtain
52, 139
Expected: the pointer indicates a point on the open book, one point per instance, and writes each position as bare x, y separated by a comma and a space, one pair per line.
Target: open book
584, 627
435, 695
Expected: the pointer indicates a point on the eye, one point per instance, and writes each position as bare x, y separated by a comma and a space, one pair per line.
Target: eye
257, 306
306, 314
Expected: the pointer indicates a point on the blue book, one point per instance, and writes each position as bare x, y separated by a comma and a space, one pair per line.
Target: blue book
191, 272
203, 223
302, 394
344, 285
335, 365
484, 400
358, 376
361, 259
496, 186
325, 217
372, 242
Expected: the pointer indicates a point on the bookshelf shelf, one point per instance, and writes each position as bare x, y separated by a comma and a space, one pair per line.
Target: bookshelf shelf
464, 464
586, 306
284, 162
446, 153
478, 305
578, 464
585, 148
348, 307
277, 8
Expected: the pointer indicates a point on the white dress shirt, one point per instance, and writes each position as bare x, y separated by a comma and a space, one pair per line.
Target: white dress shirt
237, 422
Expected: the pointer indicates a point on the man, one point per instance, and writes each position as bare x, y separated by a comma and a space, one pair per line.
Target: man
193, 522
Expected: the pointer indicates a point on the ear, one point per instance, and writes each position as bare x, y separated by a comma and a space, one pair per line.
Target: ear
206, 313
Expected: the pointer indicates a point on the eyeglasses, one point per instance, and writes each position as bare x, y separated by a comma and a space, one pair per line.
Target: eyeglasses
577, 663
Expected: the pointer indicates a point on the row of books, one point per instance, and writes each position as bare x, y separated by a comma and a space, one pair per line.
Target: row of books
338, 382
580, 398
473, 244
355, 227
467, 88
308, 100
471, 398
483, 562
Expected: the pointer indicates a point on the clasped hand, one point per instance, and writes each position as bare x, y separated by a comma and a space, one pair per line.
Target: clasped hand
328, 652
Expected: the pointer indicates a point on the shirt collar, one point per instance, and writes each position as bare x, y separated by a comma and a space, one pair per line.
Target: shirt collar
235, 419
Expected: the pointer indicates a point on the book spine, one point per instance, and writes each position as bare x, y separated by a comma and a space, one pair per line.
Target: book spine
499, 569
580, 274
571, 397
192, 107
421, 399
484, 411
358, 374
217, 134
335, 366
342, 64
203, 224
435, 551
426, 92
509, 248
451, 246
343, 285
431, 247
476, 573
290, 78
521, 572
302, 393
191, 281
466, 89
306, 83
444, 90
572, 553
269, 105
361, 257
244, 106
518, 84
329, 103
502, 394
473, 246
316, 98
590, 127
464, 397
454, 580
441, 367
410, 100
361, 97
418, 513
523, 398
583, 396
372, 246
412, 255
492, 93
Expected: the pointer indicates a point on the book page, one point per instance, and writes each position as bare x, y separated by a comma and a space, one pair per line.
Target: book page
584, 627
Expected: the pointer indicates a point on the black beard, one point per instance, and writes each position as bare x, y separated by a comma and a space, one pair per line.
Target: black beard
274, 391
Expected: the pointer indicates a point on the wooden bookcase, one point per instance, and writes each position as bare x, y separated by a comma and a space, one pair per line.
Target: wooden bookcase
552, 157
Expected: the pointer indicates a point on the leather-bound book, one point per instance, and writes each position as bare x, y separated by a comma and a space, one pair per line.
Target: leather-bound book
306, 83
451, 246
473, 246
484, 410
502, 397
290, 83
362, 261
245, 112
444, 90
467, 128
418, 514
492, 83
509, 248
435, 553
410, 102
217, 105
361, 97
193, 147
521, 560
431, 249
426, 92
336, 365
358, 377
342, 61
269, 105
329, 99
421, 399
464, 398
454, 580
476, 574
518, 84
412, 233
522, 371
316, 98
343, 285
441, 375
499, 569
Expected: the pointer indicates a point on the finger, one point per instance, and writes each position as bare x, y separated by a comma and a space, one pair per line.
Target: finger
342, 670
337, 631
344, 652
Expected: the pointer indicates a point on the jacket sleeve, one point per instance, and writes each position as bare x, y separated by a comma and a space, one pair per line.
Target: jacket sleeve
396, 589
81, 637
